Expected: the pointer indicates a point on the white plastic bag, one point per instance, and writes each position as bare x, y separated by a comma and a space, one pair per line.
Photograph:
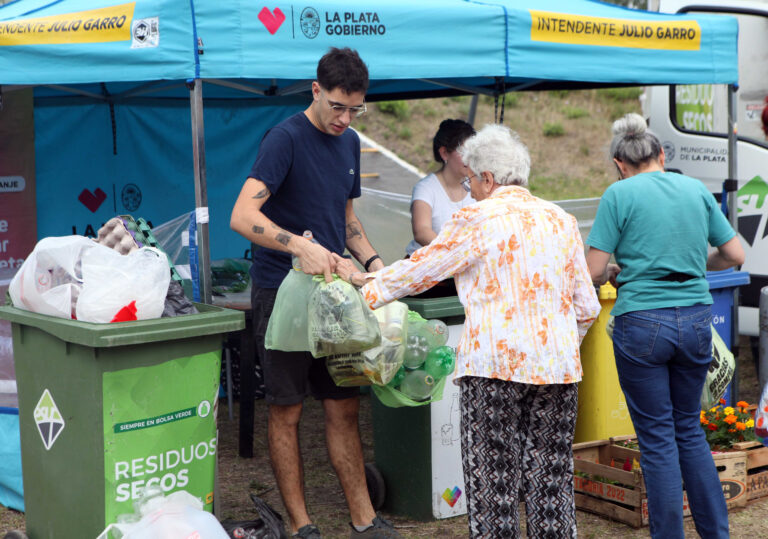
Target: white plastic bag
112, 281
50, 278
176, 516
720, 372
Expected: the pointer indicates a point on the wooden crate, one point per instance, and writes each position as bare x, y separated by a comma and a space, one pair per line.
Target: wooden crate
757, 468
620, 495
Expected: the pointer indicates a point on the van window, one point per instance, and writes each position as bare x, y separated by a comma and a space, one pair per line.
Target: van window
703, 108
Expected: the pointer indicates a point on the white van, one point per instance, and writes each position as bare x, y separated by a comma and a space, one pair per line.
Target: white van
692, 124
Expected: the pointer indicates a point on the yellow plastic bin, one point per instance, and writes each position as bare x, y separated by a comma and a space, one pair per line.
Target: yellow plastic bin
602, 411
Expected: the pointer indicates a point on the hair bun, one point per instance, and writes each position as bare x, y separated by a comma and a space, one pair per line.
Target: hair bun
630, 125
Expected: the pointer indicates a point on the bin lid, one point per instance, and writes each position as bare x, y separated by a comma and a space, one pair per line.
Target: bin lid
726, 278
446, 307
209, 321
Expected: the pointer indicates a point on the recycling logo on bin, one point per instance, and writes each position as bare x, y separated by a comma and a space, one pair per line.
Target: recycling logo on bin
49, 421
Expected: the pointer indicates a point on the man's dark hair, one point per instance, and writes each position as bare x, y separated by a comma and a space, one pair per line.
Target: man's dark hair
342, 68
451, 134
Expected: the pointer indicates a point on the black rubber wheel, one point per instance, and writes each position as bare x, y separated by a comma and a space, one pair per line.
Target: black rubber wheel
377, 490
15, 534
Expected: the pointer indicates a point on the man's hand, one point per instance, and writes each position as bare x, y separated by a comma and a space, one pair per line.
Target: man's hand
315, 259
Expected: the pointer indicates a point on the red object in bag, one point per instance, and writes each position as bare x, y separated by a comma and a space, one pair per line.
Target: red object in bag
126, 314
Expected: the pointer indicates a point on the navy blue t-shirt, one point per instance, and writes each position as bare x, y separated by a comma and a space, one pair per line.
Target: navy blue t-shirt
311, 175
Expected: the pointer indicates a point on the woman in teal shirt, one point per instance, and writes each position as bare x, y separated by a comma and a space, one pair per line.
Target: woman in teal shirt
659, 225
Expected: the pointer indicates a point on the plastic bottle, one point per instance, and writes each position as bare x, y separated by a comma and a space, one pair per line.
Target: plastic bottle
416, 350
435, 331
440, 362
295, 259
418, 385
398, 378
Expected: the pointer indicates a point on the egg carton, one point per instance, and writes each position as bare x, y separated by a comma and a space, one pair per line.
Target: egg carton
125, 235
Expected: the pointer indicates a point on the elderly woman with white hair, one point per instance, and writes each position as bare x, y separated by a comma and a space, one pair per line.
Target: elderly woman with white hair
520, 272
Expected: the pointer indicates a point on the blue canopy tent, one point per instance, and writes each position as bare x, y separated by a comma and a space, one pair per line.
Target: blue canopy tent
118, 86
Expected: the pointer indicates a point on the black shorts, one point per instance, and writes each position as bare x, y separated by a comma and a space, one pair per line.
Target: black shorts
290, 376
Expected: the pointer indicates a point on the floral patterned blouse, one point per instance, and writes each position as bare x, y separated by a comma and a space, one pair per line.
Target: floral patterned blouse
519, 266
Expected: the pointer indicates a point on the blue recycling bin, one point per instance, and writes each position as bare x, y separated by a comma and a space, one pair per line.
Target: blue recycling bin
721, 286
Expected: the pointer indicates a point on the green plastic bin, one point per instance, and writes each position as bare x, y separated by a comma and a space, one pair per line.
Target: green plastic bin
404, 439
107, 409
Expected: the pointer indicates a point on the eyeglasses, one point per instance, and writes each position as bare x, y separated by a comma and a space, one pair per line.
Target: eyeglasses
338, 109
465, 182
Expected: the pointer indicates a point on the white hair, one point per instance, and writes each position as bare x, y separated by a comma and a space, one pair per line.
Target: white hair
498, 150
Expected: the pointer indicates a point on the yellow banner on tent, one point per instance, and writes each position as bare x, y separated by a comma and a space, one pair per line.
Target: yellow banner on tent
608, 32
93, 26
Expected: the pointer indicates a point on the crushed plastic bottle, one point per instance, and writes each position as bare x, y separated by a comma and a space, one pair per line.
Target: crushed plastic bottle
418, 385
440, 362
398, 378
295, 259
435, 331
416, 349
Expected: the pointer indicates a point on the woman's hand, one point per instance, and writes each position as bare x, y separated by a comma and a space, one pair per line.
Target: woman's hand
612, 271
347, 271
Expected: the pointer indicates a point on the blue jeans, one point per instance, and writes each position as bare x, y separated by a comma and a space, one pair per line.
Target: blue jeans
662, 357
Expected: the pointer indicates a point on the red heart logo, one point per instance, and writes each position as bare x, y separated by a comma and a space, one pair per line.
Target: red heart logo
92, 201
271, 20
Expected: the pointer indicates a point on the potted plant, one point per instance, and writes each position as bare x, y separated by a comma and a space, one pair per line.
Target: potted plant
726, 425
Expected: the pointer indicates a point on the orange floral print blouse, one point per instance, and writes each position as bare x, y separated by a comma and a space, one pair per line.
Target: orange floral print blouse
519, 266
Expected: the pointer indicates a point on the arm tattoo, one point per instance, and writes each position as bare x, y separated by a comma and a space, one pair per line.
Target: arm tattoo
354, 230
264, 193
258, 229
283, 238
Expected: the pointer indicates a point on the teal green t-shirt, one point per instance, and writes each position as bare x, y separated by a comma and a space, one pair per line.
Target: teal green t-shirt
657, 223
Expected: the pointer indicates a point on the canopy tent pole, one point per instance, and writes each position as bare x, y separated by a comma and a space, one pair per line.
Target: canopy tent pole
201, 193
732, 187
472, 110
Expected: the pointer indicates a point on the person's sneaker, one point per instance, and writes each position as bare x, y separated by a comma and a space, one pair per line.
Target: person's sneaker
379, 529
308, 531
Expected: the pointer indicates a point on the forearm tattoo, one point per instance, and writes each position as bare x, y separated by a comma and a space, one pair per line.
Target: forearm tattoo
283, 238
354, 230
258, 229
264, 193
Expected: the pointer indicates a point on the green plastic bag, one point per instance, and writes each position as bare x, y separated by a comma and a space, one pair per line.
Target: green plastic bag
393, 398
339, 320
288, 325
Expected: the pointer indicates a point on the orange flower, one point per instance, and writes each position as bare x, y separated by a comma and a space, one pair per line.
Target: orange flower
730, 419
704, 421
722, 401
742, 404
740, 426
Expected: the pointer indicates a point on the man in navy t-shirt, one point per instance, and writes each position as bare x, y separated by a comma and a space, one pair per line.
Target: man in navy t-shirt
305, 177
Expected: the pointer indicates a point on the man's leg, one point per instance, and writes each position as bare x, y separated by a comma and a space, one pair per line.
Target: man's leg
285, 381
287, 464
346, 453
